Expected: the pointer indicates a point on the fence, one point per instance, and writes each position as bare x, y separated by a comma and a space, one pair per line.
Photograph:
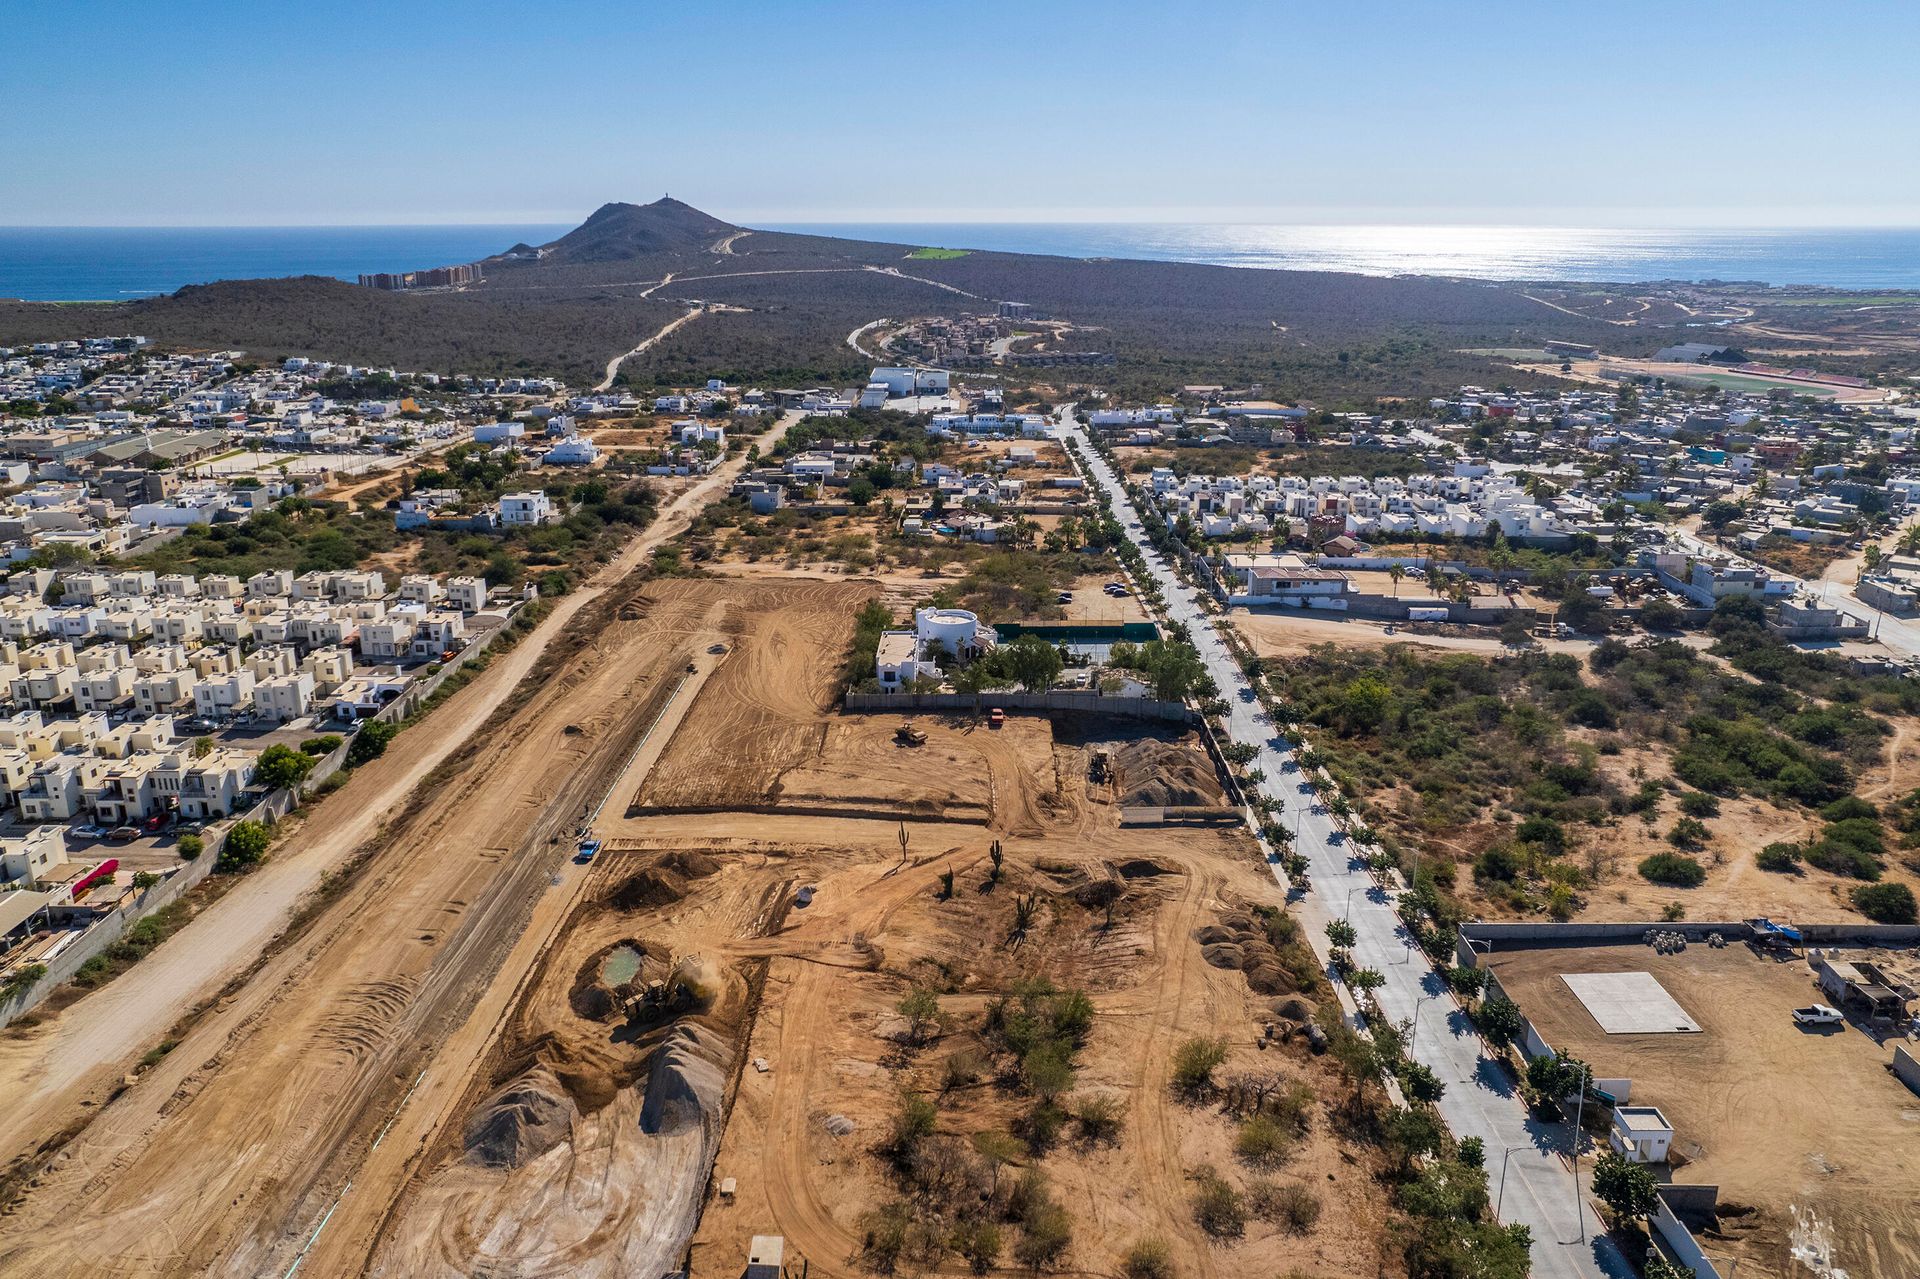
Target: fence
269, 809
1488, 936
980, 703
1679, 1240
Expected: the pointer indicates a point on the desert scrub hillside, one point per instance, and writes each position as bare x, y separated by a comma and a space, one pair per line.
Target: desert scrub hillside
1536, 783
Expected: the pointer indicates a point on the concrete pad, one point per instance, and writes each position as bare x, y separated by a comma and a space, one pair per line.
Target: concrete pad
1630, 1004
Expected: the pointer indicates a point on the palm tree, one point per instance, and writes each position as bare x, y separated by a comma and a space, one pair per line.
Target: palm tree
1396, 572
1909, 543
1874, 555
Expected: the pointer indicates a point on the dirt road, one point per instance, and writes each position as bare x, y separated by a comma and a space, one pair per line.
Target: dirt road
49, 1070
666, 330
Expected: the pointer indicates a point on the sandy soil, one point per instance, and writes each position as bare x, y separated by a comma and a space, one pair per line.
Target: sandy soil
829, 1036
1807, 1127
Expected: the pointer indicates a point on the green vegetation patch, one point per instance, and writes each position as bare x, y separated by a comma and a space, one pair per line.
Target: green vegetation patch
938, 255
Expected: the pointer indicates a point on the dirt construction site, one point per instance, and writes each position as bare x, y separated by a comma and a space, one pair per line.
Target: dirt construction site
476, 1055
1811, 1140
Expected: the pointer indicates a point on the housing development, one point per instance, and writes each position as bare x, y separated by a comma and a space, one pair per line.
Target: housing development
987, 803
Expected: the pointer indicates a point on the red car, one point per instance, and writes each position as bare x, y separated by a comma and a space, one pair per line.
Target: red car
996, 717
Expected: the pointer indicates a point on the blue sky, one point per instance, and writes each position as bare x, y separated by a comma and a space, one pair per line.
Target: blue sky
1441, 111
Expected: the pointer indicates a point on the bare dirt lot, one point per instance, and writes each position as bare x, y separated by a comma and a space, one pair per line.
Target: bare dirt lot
460, 1064
803, 1141
1805, 1127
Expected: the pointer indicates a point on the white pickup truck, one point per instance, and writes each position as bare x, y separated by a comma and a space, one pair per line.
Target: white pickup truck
1818, 1015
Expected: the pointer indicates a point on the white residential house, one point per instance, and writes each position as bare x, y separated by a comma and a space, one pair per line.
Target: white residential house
165, 692
438, 632
468, 594
390, 639
223, 697
284, 697
102, 690
520, 510
421, 588
576, 450
216, 785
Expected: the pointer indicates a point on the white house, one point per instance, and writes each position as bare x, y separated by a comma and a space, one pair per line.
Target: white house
577, 450
519, 510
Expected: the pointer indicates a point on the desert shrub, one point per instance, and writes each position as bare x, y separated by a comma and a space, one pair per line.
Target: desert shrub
1217, 1206
1293, 1207
1673, 868
1262, 1142
978, 1243
1841, 858
245, 845
1781, 857
190, 846
913, 1121
1194, 1063
1149, 1258
1688, 833
1697, 803
1885, 903
1099, 1118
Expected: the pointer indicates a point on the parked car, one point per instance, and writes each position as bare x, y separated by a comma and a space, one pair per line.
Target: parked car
124, 833
155, 822
1818, 1015
87, 830
1064, 597
996, 717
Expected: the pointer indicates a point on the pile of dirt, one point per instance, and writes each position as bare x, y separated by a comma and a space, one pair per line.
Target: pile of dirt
649, 889
687, 1083
1156, 774
663, 883
522, 1121
1240, 940
686, 862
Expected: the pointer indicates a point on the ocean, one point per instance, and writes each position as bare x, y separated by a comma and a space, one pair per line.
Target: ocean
113, 264
1847, 259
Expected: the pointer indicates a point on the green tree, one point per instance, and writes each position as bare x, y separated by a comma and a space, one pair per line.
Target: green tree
1501, 1020
921, 1008
245, 845
1033, 662
281, 767
1627, 1188
370, 742
189, 846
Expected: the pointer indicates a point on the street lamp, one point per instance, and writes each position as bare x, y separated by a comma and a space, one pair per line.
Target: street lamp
1500, 1197
1579, 1109
1413, 1035
1348, 915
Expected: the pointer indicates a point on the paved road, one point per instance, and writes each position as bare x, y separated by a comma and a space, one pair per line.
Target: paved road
1539, 1189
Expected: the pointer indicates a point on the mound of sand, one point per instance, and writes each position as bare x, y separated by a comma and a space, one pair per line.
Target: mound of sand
688, 863
522, 1121
1294, 1009
649, 889
1223, 955
687, 1083
1155, 774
